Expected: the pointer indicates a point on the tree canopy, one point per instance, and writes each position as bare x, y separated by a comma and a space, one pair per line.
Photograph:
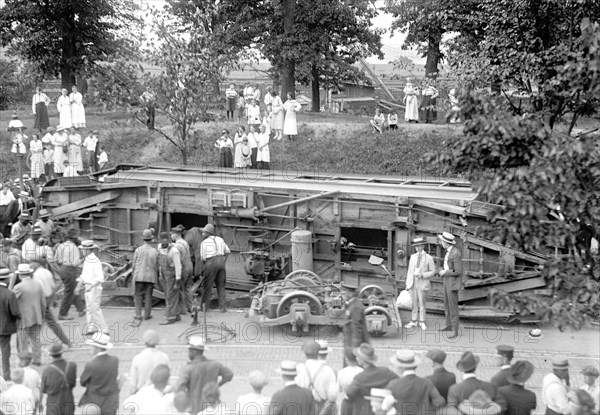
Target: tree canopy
66, 37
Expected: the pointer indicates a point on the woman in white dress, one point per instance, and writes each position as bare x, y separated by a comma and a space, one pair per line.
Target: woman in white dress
278, 116
264, 156
291, 107
63, 105
60, 141
37, 158
74, 154
238, 140
77, 109
411, 113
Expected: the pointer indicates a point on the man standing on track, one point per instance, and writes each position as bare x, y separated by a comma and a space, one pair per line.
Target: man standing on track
145, 275
213, 252
452, 274
169, 265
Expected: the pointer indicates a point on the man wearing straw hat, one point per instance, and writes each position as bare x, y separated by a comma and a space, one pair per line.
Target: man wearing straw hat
45, 223
411, 393
187, 268
58, 380
318, 377
200, 371
292, 399
420, 269
555, 388
213, 252
452, 274
9, 310
520, 400
145, 276
21, 230
100, 376
92, 277
371, 377
32, 304
462, 391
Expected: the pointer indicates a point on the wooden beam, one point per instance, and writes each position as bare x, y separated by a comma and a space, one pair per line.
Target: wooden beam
84, 203
458, 210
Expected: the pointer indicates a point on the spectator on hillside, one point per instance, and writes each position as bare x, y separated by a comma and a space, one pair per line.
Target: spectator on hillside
77, 109
429, 102
70, 171
392, 120
254, 114
253, 143
278, 116
225, 146
39, 106
291, 106
411, 113
231, 98
377, 121
263, 157
102, 157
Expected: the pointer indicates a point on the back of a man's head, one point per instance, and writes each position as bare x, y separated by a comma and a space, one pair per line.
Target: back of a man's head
17, 375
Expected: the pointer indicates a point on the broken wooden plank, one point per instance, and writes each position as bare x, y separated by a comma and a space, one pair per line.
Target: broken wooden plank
501, 248
445, 207
84, 203
508, 286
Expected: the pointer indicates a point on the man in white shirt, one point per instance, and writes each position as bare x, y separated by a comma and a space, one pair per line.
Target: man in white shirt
555, 388
144, 363
33, 250
149, 400
20, 230
31, 377
344, 379
213, 253
254, 114
46, 279
68, 258
18, 399
6, 196
268, 99
92, 277
318, 377
590, 374
90, 143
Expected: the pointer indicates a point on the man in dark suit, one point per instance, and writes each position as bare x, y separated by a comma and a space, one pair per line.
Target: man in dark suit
462, 391
453, 283
100, 376
355, 326
292, 399
371, 377
520, 400
32, 305
504, 354
9, 310
412, 394
441, 378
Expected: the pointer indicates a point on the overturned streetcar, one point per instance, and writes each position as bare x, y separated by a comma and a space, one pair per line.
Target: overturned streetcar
296, 238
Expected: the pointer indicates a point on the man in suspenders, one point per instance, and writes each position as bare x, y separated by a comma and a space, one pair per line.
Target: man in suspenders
213, 253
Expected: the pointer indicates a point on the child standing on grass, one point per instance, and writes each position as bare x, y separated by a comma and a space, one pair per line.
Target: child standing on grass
264, 155
392, 120
102, 157
48, 154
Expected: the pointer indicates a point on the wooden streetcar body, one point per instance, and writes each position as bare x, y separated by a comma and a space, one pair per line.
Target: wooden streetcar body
350, 217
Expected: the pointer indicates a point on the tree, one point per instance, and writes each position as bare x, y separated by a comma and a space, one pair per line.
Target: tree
66, 37
191, 67
531, 169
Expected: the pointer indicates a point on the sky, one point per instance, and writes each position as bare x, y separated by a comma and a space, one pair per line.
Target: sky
392, 44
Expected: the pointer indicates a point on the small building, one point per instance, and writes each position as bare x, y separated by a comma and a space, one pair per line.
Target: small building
353, 96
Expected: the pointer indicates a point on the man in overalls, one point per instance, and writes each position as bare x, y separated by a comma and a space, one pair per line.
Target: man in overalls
169, 266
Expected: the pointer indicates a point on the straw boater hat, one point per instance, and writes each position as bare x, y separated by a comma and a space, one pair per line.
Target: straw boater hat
196, 343
419, 241
405, 358
60, 128
519, 372
24, 269
324, 348
44, 214
4, 273
101, 341
448, 238
479, 403
288, 368
366, 352
560, 363
36, 230
24, 216
88, 244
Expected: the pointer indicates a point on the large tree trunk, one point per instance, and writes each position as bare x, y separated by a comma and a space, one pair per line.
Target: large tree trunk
288, 76
433, 54
67, 75
316, 97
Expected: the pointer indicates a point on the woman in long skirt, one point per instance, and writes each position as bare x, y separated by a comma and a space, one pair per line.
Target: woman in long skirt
291, 106
428, 104
411, 114
74, 154
60, 141
63, 105
77, 109
264, 156
238, 141
39, 106
278, 116
37, 158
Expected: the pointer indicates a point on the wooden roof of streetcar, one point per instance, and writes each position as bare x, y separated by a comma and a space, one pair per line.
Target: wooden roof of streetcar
277, 180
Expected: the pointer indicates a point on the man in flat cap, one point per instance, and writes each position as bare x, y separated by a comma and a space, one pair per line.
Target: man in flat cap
355, 326
200, 371
520, 400
441, 378
146, 361
318, 377
590, 375
187, 268
504, 355
462, 391
58, 380
555, 388
213, 253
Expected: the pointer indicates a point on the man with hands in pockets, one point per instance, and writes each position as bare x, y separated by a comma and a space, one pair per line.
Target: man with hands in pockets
420, 270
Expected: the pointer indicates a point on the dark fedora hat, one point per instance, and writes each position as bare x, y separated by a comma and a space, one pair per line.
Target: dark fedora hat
366, 352
468, 362
520, 371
